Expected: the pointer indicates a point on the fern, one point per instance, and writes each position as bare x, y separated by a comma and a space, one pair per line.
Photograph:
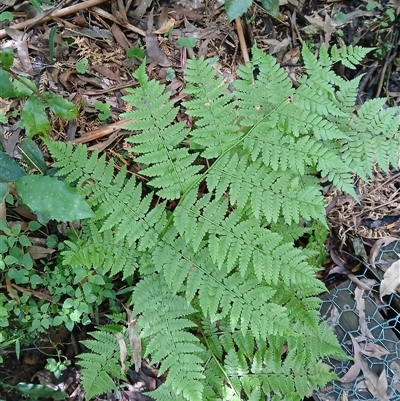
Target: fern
169, 166
102, 364
222, 289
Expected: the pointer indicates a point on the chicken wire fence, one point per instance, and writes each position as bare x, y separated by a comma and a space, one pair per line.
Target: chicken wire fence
369, 331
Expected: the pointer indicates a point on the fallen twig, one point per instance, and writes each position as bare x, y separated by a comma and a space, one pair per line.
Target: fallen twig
242, 41
101, 132
56, 13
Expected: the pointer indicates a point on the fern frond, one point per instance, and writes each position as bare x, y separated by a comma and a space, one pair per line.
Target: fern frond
260, 370
320, 69
212, 107
257, 99
345, 98
349, 56
373, 138
103, 363
97, 249
163, 321
268, 194
169, 165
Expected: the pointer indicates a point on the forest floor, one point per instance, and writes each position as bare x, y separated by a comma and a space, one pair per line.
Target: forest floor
85, 51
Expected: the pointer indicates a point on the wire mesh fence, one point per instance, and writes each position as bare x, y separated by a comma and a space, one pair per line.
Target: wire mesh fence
369, 331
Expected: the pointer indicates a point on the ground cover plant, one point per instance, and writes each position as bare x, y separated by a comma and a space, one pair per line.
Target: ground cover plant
226, 304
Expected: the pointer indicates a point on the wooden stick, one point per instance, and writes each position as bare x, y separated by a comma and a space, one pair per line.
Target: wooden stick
125, 24
56, 13
101, 132
242, 40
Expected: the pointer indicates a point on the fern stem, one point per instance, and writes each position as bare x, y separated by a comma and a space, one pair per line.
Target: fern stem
218, 362
203, 176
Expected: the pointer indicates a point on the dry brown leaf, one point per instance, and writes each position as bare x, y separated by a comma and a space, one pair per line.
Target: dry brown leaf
328, 29
395, 368
134, 340
354, 370
166, 27
372, 381
380, 389
120, 37
153, 51
360, 306
142, 7
333, 319
352, 373
317, 21
358, 282
374, 350
275, 46
391, 280
377, 247
122, 352
371, 378
292, 56
39, 252
23, 55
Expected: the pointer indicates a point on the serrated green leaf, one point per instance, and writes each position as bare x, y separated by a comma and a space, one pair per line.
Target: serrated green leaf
32, 155
7, 57
189, 43
236, 8
22, 87
10, 260
34, 118
81, 66
7, 88
61, 107
51, 197
271, 7
10, 170
136, 52
104, 109
6, 16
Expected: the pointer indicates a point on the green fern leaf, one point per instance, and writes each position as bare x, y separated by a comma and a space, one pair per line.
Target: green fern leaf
169, 166
178, 351
349, 56
212, 107
99, 366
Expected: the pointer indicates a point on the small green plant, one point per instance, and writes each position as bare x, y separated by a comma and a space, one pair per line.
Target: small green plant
21, 312
37, 3
104, 109
81, 65
390, 13
56, 367
137, 52
187, 42
35, 391
61, 295
6, 16
382, 51
33, 114
236, 8
5, 340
